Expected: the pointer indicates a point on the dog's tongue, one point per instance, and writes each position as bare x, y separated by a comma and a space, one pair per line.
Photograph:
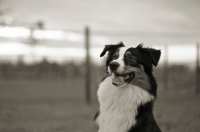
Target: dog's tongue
117, 80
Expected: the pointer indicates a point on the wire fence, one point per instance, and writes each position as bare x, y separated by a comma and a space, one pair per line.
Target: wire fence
178, 68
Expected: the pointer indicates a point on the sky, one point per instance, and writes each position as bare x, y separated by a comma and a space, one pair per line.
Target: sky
110, 15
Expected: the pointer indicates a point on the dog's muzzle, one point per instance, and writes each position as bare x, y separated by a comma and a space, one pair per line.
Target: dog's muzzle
120, 79
114, 66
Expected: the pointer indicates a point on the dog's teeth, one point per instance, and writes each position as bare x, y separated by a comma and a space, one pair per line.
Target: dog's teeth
126, 76
131, 75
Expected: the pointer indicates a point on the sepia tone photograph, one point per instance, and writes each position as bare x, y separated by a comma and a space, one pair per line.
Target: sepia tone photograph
99, 66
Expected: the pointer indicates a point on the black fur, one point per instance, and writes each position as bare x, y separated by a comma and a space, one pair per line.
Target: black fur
145, 119
147, 57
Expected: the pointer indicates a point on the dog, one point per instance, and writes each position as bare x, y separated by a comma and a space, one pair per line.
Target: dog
128, 90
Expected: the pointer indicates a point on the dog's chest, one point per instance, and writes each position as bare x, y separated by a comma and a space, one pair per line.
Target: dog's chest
118, 106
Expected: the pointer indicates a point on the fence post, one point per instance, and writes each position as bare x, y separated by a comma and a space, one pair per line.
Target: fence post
197, 71
165, 69
87, 74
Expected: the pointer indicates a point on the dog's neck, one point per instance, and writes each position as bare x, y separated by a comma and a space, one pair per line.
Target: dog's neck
119, 106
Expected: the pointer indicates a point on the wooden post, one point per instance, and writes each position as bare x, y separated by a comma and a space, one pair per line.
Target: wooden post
165, 69
87, 74
197, 71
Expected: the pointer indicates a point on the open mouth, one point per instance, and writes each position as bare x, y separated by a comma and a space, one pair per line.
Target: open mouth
120, 79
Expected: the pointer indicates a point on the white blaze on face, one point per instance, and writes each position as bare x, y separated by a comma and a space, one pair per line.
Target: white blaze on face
120, 60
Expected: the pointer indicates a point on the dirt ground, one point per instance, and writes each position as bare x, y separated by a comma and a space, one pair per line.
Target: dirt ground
59, 106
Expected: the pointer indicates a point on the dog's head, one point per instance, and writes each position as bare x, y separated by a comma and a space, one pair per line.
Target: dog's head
132, 65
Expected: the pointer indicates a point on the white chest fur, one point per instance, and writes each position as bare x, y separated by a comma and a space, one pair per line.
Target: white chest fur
118, 106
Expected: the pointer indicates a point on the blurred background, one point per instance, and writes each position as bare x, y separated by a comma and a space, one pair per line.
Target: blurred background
50, 66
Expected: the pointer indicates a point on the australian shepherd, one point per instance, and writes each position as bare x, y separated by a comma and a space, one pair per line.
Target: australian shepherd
127, 92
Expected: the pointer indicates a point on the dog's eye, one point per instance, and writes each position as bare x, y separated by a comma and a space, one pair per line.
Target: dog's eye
132, 59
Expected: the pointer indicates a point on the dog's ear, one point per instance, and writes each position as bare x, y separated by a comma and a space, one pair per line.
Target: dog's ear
153, 54
111, 47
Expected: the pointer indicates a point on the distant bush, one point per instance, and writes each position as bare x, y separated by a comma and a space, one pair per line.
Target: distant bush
40, 70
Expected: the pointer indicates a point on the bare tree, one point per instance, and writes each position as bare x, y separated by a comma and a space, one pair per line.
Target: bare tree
3, 11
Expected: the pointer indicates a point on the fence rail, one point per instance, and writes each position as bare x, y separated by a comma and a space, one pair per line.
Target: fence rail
169, 75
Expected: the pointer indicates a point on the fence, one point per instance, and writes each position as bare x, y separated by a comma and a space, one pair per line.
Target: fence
87, 74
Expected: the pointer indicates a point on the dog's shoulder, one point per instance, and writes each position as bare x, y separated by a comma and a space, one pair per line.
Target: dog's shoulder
145, 123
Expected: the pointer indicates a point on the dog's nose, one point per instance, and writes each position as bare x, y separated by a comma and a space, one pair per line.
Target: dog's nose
114, 66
